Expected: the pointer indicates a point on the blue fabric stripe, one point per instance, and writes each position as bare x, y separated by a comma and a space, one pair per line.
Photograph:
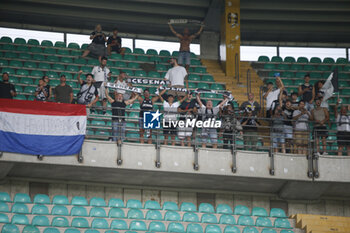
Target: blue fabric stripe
40, 144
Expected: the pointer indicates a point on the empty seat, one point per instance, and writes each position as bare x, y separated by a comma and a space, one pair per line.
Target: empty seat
153, 215
80, 201
40, 209
241, 210
135, 214
70, 230
231, 229
259, 211
206, 208
176, 227
223, 209
99, 223
188, 206
16, 64
227, 219
80, 223
40, 221
276, 59
194, 228
263, 222
250, 230
60, 222
315, 60
78, 211
6, 39
263, 59
20, 208
97, 212
277, 213
152, 52
172, 216
4, 218
302, 60
9, 228
286, 231
190, 217
209, 218
138, 226
49, 51
132, 203
282, 223
289, 59
30, 229
212, 229
97, 201
33, 42
59, 210
29, 90
154, 74
4, 207
245, 221
22, 198
119, 225
91, 231
154, 205
164, 53
116, 213
268, 230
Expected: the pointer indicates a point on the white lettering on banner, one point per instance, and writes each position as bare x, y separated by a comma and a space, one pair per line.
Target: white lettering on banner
148, 81
188, 123
42, 124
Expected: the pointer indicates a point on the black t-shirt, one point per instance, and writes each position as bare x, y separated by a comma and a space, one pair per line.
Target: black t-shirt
251, 124
146, 106
118, 39
5, 90
307, 96
185, 106
289, 115
119, 112
98, 39
41, 96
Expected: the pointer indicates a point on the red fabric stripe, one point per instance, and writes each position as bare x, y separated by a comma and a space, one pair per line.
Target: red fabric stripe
41, 108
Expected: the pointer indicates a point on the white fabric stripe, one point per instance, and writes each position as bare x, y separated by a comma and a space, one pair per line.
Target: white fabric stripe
42, 124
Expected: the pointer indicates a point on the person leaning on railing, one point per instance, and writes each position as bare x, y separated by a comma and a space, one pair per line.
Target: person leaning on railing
278, 140
301, 134
343, 128
230, 125
320, 116
250, 129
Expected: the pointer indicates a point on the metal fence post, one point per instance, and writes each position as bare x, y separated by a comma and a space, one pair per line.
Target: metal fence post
234, 153
271, 155
195, 150
157, 163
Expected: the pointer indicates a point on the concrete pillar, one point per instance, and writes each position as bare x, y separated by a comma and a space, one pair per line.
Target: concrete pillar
334, 207
5, 186
187, 197
132, 194
76, 190
296, 208
95, 191
148, 194
224, 199
58, 189
19, 187
242, 200
209, 45
316, 208
259, 201
169, 196
114, 192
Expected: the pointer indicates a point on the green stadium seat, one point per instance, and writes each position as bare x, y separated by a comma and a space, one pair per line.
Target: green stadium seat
9, 47
45, 66
10, 71
133, 65
153, 74
152, 52
250, 230
38, 57
282, 67
245, 220
42, 221
37, 73
4, 218
302, 60
194, 228
119, 225
343, 84
79, 61
35, 50
345, 92
6, 39
79, 201
164, 53
287, 75
341, 60
160, 67
343, 76
194, 77
10, 55
22, 72
282, 223
195, 62
4, 207
25, 56
263, 222
73, 46
152, 205
20, 97
286, 231
66, 60
97, 201
91, 231
212, 229
116, 213
153, 215
133, 203
58, 67
328, 60
259, 211
263, 59
156, 227
127, 50
231, 229
99, 223
172, 216
59, 210
3, 62
121, 64
18, 89
69, 230
201, 70
269, 66
169, 205
188, 207
345, 68
52, 58
9, 228
142, 58
84, 46
139, 51
98, 212
268, 230
217, 86
175, 53
46, 43
277, 213
40, 209
129, 57
93, 62
78, 211
223, 209
31, 229
315, 75
190, 217
323, 68
80, 223
72, 68
60, 222
209, 218
276, 59
29, 90
31, 97
206, 208
60, 44
135, 214
140, 73
116, 202
15, 64
138, 226
289, 59
116, 56
176, 227
315, 60
326, 75
22, 48
309, 67
33, 42
300, 75
227, 219
63, 52
50, 51
20, 41
22, 198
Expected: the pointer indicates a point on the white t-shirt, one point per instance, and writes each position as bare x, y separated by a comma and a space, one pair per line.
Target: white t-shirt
176, 75
170, 111
345, 123
100, 75
272, 96
302, 122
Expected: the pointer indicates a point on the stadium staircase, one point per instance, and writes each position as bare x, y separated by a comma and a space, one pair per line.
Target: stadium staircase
322, 224
59, 215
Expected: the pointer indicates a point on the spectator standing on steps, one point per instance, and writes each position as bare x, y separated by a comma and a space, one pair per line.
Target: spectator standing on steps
177, 75
63, 92
97, 48
343, 128
254, 107
320, 116
307, 93
88, 94
301, 117
272, 94
7, 90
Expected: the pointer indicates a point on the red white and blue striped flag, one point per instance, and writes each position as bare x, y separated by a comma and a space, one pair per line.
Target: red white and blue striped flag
41, 128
